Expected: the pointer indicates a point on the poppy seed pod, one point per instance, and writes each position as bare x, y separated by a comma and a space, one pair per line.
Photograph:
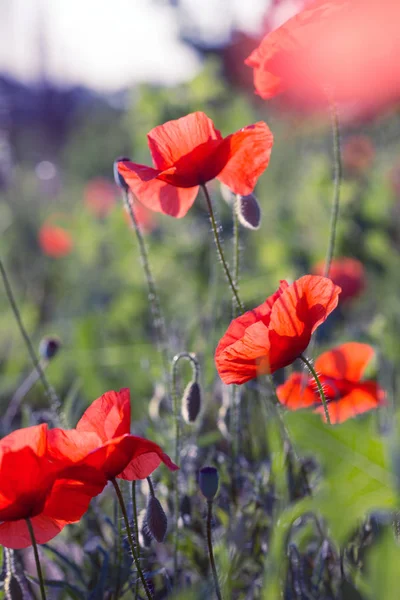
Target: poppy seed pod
191, 402
49, 347
248, 211
119, 180
208, 482
156, 519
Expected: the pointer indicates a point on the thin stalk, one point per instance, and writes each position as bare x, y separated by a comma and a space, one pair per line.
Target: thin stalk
130, 540
236, 257
337, 179
50, 392
313, 372
136, 526
220, 250
211, 551
155, 306
37, 560
119, 548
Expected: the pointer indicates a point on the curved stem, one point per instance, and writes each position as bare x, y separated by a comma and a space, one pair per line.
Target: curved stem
50, 392
313, 372
337, 185
37, 560
211, 551
136, 526
130, 540
155, 306
220, 250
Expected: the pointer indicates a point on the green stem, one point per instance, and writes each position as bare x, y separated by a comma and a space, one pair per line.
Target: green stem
155, 306
220, 250
337, 185
130, 540
313, 372
211, 551
51, 394
236, 257
119, 549
136, 526
37, 560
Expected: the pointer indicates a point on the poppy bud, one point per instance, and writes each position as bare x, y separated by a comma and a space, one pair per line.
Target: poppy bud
208, 482
248, 211
49, 347
119, 180
156, 519
191, 402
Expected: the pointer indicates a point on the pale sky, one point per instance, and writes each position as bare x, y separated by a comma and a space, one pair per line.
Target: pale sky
110, 44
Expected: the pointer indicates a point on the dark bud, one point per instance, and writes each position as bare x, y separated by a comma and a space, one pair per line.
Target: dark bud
49, 347
191, 402
119, 180
156, 519
248, 211
208, 482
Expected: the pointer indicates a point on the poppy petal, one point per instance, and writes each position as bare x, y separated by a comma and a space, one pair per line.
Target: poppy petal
347, 361
155, 194
15, 534
362, 398
295, 393
148, 457
109, 416
70, 498
176, 139
246, 155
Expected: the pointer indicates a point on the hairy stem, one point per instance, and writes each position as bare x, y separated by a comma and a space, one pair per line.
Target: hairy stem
37, 560
313, 372
136, 526
211, 551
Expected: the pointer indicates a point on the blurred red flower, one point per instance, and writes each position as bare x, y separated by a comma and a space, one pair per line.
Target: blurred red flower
340, 372
55, 241
339, 46
144, 216
347, 273
358, 153
275, 333
102, 441
100, 196
187, 153
35, 486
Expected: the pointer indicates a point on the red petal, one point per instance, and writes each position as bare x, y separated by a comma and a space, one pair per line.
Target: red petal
155, 194
70, 498
176, 139
245, 155
34, 437
362, 398
146, 461
295, 393
109, 416
347, 361
15, 534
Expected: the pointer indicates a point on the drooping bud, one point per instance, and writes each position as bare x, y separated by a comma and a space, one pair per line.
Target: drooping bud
191, 402
49, 347
208, 482
156, 519
119, 180
248, 211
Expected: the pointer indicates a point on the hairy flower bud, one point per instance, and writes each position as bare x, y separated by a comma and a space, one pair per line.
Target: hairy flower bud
119, 180
208, 482
156, 519
191, 402
49, 347
248, 211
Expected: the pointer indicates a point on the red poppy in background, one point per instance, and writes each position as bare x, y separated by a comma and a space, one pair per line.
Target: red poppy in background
100, 196
55, 241
346, 47
275, 333
36, 487
187, 153
340, 371
347, 273
102, 441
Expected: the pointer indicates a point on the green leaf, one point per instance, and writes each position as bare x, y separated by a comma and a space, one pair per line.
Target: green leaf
382, 569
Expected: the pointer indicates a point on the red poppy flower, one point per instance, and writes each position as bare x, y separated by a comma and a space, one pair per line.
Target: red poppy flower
275, 333
102, 441
189, 152
347, 273
335, 45
36, 486
55, 241
340, 371
100, 196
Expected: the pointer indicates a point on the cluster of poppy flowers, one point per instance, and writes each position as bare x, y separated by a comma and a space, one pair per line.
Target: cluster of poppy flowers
49, 476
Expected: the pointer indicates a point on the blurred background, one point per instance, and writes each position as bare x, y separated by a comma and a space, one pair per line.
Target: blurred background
83, 83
